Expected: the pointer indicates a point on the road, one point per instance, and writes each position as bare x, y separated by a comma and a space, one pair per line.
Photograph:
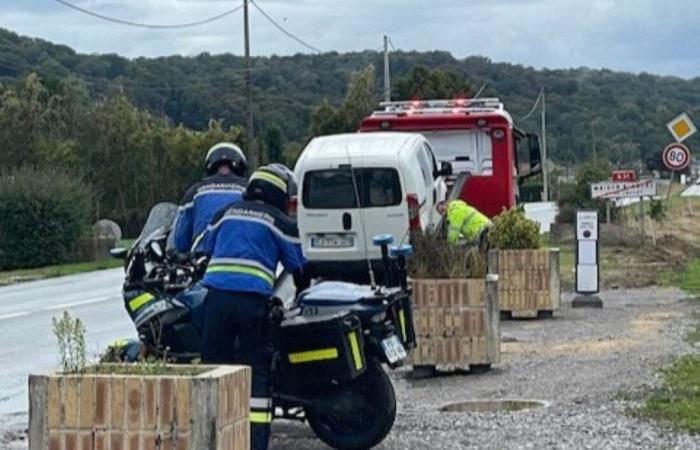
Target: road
27, 343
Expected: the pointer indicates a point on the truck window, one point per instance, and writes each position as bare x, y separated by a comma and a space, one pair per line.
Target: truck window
333, 188
467, 150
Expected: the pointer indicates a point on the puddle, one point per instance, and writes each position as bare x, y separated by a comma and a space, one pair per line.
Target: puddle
493, 406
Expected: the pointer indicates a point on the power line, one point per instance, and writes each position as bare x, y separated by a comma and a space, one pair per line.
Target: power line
534, 107
148, 25
391, 43
283, 30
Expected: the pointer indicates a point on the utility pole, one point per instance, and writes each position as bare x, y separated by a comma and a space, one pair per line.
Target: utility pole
545, 164
387, 74
595, 150
252, 149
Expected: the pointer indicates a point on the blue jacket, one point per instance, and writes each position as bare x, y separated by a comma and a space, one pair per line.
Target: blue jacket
245, 243
202, 201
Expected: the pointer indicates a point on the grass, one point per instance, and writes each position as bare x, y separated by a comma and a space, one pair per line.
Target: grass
16, 276
678, 402
145, 368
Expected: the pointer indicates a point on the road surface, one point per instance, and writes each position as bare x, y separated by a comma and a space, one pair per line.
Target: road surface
27, 343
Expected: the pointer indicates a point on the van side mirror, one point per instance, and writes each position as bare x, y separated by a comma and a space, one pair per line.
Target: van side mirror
444, 171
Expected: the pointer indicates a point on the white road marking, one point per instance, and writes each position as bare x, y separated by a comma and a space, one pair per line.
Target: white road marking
13, 315
78, 303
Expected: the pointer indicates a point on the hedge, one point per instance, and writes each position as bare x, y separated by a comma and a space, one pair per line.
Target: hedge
512, 230
42, 215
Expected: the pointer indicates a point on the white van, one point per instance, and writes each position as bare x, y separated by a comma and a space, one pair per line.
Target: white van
398, 183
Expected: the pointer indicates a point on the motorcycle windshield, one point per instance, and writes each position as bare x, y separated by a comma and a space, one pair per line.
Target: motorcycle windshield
159, 221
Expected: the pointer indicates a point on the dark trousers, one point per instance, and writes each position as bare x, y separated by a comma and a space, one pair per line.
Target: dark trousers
236, 331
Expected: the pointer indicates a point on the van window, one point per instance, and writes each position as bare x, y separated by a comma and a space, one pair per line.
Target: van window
333, 189
426, 165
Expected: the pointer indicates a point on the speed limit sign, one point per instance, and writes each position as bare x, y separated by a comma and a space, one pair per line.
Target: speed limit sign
676, 157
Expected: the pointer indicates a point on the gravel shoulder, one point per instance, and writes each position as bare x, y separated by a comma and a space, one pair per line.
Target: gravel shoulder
582, 363
579, 362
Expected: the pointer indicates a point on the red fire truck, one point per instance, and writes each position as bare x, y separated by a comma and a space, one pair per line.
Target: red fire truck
476, 136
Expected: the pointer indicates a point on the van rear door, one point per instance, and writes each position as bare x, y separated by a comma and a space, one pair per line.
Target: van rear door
332, 225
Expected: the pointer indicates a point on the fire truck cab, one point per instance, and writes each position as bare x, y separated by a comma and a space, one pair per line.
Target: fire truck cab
477, 137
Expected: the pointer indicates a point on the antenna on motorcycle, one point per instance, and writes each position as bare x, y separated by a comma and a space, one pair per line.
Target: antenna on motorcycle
372, 281
383, 241
400, 253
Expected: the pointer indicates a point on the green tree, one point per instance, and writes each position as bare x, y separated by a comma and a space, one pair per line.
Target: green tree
425, 83
274, 147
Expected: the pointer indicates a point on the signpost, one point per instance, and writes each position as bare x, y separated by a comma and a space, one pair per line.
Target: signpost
587, 257
676, 157
681, 127
624, 189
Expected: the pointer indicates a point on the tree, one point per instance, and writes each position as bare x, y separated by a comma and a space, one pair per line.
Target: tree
424, 83
274, 148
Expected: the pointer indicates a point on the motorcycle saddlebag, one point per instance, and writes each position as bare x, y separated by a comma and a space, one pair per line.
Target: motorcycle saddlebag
325, 348
401, 315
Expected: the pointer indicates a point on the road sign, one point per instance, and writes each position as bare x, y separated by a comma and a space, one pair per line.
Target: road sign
623, 189
681, 127
587, 269
676, 156
624, 175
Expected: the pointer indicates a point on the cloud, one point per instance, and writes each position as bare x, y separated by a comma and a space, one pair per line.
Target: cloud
633, 35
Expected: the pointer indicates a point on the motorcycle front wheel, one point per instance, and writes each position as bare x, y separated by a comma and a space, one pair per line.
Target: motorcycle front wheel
358, 415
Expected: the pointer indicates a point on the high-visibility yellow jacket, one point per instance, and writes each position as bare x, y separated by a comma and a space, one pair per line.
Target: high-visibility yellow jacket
465, 220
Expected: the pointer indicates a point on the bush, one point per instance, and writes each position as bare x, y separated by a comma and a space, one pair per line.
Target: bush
70, 333
434, 257
42, 215
573, 197
512, 230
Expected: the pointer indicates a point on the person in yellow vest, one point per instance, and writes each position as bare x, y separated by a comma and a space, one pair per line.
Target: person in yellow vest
467, 221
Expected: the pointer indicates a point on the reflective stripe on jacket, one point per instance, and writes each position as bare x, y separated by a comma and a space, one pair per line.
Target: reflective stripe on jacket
465, 220
245, 242
201, 203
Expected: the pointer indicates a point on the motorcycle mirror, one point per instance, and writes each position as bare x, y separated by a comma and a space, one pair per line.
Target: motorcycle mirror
118, 252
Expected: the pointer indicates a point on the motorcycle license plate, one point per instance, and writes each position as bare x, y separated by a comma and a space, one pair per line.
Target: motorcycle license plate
393, 349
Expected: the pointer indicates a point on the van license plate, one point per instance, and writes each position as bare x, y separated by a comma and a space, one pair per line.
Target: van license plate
393, 349
332, 242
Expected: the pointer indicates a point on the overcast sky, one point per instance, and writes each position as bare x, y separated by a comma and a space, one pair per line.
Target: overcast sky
657, 36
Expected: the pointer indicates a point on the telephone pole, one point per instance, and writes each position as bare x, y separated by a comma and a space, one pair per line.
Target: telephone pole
545, 164
252, 149
387, 74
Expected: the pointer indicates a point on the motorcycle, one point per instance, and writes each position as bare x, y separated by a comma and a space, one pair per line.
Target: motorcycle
330, 342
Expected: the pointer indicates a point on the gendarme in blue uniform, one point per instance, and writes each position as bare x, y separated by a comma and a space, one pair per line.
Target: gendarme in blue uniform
245, 242
201, 203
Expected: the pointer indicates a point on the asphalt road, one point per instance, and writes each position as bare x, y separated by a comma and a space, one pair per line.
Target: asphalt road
27, 343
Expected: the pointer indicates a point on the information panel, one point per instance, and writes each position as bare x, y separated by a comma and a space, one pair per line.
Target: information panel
587, 268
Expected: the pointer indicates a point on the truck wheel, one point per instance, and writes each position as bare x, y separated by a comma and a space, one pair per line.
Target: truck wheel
358, 415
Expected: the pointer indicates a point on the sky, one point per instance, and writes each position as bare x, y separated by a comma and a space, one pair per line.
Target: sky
655, 36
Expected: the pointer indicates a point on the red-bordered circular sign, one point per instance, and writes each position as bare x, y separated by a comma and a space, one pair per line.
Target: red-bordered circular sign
676, 156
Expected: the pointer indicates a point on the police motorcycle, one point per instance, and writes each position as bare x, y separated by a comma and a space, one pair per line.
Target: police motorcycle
330, 342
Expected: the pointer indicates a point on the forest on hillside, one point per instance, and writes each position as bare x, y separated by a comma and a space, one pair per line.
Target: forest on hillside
620, 116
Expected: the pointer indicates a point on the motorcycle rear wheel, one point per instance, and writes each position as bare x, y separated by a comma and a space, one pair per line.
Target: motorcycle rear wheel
358, 415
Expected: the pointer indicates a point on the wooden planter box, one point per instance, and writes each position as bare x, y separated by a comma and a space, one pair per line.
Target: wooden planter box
133, 412
457, 323
529, 282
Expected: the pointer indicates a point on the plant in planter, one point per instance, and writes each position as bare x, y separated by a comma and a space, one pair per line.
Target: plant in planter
529, 282
456, 306
135, 406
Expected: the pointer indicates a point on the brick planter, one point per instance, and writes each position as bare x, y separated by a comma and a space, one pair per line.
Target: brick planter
529, 284
457, 323
132, 412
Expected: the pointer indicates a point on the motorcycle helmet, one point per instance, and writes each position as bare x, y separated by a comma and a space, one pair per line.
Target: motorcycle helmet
273, 184
226, 153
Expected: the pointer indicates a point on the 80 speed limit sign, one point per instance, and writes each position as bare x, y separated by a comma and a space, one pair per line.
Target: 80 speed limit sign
676, 156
